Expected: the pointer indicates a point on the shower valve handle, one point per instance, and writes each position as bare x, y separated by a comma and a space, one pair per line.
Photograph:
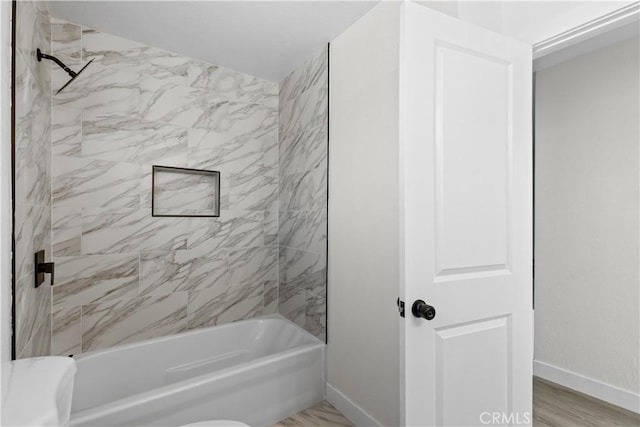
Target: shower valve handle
423, 310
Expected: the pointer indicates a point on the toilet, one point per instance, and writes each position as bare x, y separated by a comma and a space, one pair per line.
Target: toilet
217, 423
48, 381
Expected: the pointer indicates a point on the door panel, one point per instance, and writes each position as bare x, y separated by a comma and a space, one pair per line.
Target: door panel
471, 175
466, 200
470, 383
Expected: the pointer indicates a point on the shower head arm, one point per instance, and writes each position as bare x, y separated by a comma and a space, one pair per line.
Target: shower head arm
41, 55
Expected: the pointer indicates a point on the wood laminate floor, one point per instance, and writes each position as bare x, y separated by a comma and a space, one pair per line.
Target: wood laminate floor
553, 406
556, 406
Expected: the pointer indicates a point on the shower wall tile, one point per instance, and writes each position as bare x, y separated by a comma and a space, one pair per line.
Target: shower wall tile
66, 231
316, 231
233, 229
271, 228
127, 139
107, 231
218, 305
87, 279
32, 178
33, 310
270, 297
40, 344
188, 270
33, 31
253, 192
33, 132
83, 182
66, 131
66, 42
253, 265
293, 232
32, 233
303, 147
110, 323
180, 105
293, 302
66, 338
126, 274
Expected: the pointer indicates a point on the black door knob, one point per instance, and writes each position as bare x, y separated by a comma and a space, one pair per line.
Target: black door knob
423, 310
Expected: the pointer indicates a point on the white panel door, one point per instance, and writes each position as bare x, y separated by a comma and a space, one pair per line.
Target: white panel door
467, 223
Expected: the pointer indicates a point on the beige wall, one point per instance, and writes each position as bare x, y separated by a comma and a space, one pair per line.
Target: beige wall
362, 355
587, 317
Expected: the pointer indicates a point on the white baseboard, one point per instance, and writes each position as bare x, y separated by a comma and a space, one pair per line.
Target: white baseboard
598, 389
349, 409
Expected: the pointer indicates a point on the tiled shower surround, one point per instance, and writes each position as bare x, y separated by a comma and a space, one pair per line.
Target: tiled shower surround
303, 127
123, 275
32, 177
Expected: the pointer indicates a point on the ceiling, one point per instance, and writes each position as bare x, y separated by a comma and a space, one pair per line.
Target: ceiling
267, 39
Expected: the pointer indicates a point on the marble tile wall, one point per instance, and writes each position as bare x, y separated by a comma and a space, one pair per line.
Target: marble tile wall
122, 275
32, 178
303, 145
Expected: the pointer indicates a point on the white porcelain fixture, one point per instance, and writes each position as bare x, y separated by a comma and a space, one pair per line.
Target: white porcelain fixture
255, 371
37, 391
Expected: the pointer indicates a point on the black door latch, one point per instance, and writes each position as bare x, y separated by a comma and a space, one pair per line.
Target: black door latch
400, 307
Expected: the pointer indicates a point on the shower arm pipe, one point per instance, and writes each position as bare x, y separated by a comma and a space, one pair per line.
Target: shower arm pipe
41, 55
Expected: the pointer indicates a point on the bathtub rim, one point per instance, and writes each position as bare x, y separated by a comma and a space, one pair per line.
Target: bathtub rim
129, 402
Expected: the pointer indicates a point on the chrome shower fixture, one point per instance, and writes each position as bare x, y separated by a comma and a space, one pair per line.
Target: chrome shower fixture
69, 71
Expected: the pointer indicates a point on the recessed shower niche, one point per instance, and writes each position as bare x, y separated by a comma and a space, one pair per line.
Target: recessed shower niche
185, 192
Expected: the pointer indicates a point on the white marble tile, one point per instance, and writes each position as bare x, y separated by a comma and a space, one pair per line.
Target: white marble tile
302, 269
106, 92
186, 270
311, 74
316, 182
33, 310
87, 182
66, 131
110, 323
40, 343
66, 337
233, 229
33, 30
86, 279
66, 231
293, 229
270, 297
127, 139
217, 306
316, 312
253, 192
119, 53
66, 42
212, 150
316, 231
32, 233
293, 303
107, 231
271, 227
294, 192
231, 84
184, 106
253, 265
32, 139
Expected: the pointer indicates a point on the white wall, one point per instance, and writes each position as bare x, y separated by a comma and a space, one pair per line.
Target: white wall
363, 337
5, 181
587, 317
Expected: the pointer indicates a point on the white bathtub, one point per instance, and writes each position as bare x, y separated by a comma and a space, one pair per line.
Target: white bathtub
256, 371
